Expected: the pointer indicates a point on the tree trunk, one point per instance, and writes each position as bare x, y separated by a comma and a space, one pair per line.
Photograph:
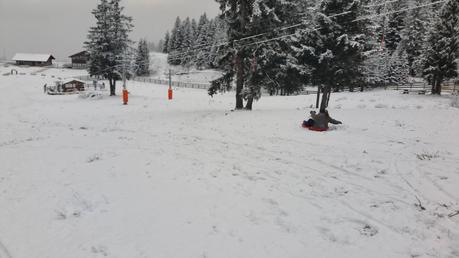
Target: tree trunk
112, 86
319, 88
325, 98
434, 85
438, 86
249, 104
239, 82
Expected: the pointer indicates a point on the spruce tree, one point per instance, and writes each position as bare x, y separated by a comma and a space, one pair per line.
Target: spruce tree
166, 43
414, 35
175, 43
273, 65
142, 60
237, 14
334, 49
108, 41
443, 46
203, 42
187, 43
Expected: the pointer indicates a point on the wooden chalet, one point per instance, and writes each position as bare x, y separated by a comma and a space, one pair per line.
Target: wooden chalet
80, 60
72, 85
33, 59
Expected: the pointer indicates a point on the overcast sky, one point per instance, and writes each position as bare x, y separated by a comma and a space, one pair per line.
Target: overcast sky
60, 27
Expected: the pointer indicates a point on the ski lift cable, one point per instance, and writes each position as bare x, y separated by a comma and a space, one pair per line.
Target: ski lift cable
381, 4
184, 54
331, 16
356, 20
297, 25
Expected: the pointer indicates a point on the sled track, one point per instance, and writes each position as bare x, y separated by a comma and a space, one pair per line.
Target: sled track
4, 253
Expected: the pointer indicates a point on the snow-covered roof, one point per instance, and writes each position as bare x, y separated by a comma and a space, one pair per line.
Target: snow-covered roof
71, 80
32, 57
85, 53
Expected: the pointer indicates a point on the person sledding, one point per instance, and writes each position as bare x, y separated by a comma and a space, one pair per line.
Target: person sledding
319, 122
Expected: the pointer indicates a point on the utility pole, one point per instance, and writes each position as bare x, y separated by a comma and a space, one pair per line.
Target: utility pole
125, 92
169, 92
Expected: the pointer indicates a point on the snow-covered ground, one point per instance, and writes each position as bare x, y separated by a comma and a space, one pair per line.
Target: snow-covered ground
189, 178
160, 70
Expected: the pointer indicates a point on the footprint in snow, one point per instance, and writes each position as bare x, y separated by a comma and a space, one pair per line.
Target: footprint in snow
368, 231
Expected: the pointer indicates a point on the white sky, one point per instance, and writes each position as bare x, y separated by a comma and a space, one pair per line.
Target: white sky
60, 27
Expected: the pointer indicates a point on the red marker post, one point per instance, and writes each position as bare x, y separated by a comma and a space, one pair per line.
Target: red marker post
125, 97
169, 91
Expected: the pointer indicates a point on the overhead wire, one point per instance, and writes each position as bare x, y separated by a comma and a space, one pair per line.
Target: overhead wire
185, 54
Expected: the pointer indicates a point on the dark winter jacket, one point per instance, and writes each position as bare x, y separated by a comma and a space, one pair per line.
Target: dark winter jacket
322, 120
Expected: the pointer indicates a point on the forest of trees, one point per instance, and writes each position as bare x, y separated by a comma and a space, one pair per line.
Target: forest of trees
189, 34
335, 44
282, 45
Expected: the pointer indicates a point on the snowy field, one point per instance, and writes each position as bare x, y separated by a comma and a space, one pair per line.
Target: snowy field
189, 178
160, 70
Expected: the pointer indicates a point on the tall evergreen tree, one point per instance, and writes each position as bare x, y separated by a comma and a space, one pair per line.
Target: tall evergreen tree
335, 49
175, 42
237, 14
273, 65
443, 46
108, 40
166, 43
394, 25
204, 40
186, 43
414, 35
142, 60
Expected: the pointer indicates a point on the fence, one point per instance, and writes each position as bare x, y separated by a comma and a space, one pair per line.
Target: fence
202, 86
449, 86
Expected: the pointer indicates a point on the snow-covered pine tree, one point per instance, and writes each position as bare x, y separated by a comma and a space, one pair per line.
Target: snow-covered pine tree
108, 40
443, 46
187, 43
203, 20
175, 43
334, 48
204, 41
217, 36
142, 60
194, 29
166, 43
237, 14
394, 25
273, 64
414, 34
397, 69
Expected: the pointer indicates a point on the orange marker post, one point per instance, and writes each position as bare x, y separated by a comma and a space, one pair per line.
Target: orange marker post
125, 97
169, 92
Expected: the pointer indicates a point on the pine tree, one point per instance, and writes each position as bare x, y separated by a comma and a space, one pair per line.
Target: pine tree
175, 43
443, 46
237, 14
395, 25
194, 30
166, 43
216, 35
142, 60
273, 65
187, 43
414, 35
204, 40
108, 41
335, 48
203, 21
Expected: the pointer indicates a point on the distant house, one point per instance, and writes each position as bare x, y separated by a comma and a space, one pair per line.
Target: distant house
72, 85
80, 60
33, 59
